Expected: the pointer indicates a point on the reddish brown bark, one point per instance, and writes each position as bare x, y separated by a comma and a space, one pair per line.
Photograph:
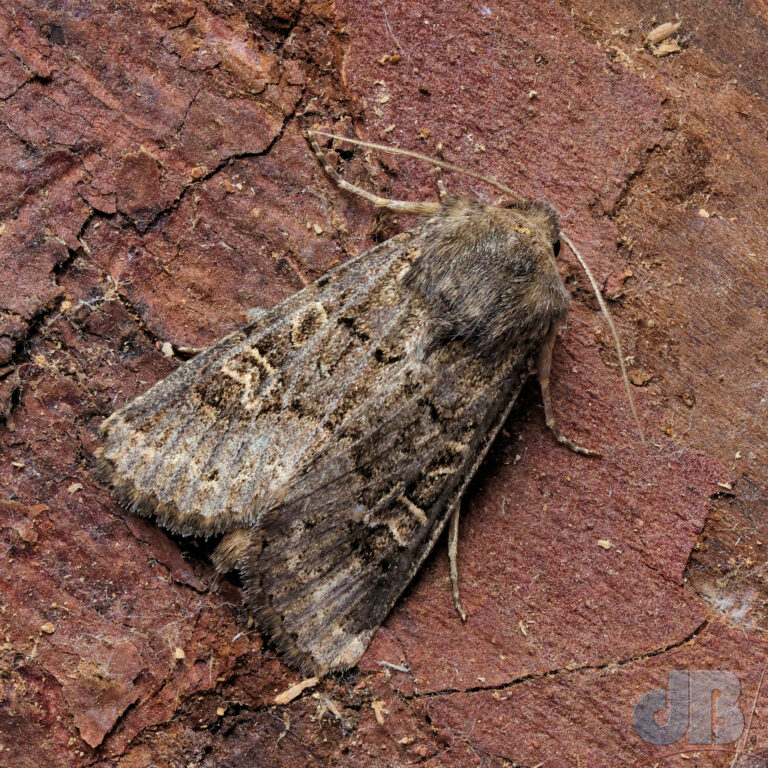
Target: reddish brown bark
156, 185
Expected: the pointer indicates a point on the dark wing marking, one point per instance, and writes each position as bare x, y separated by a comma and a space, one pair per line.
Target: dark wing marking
332, 555
208, 447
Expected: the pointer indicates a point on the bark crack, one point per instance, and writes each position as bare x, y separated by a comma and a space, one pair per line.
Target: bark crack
567, 670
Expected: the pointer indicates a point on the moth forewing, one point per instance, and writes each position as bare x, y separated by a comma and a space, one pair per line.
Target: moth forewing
333, 557
207, 447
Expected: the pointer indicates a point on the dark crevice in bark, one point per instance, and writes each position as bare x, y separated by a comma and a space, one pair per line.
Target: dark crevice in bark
566, 670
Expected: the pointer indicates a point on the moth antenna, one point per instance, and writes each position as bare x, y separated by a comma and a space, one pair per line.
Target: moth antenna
614, 333
401, 206
425, 158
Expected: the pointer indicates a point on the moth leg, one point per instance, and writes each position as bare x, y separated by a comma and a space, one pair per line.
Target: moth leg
400, 206
543, 367
453, 553
189, 351
441, 190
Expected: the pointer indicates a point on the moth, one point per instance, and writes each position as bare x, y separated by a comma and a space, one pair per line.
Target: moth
329, 441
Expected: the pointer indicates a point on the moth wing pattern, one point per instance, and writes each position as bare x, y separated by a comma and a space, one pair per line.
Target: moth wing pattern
205, 449
330, 559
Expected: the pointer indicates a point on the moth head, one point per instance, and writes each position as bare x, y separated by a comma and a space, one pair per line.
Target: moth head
543, 218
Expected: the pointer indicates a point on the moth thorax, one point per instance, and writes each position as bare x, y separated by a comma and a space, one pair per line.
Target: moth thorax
488, 275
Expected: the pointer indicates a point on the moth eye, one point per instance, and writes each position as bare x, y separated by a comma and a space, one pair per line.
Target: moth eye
556, 247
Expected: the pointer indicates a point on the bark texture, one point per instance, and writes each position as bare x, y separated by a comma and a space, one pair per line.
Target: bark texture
155, 185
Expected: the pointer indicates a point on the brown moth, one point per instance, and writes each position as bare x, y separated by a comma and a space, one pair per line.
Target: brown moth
330, 440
